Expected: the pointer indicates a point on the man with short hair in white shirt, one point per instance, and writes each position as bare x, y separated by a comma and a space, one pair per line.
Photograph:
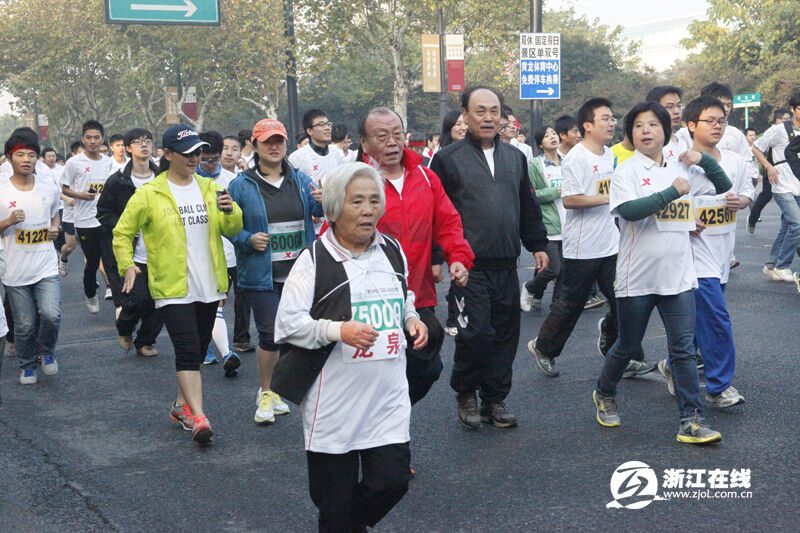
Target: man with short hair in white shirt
118, 157
785, 190
590, 241
84, 178
316, 159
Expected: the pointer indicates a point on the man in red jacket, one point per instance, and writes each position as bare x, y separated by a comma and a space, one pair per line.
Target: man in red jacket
418, 213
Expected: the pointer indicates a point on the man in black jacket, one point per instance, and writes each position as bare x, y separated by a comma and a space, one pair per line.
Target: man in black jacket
137, 304
488, 183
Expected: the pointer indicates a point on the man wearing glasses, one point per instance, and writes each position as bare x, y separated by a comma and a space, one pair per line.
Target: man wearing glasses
138, 304
590, 239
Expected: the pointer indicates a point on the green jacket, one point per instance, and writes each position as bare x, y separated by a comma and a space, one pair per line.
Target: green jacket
546, 196
152, 209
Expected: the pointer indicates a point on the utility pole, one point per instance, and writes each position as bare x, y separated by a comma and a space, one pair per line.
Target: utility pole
442, 65
536, 105
291, 71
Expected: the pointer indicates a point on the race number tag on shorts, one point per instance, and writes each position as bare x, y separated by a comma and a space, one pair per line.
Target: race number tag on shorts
27, 237
386, 316
604, 187
286, 239
712, 211
677, 216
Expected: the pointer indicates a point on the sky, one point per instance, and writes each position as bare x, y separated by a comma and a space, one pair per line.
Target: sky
660, 30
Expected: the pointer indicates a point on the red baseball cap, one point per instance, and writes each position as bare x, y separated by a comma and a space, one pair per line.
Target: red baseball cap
268, 127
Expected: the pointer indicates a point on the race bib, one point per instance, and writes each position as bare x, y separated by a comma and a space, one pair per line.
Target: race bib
386, 316
712, 211
97, 187
286, 240
604, 187
677, 216
555, 180
28, 237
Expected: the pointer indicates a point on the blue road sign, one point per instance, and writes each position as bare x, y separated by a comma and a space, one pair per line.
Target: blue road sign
188, 12
540, 66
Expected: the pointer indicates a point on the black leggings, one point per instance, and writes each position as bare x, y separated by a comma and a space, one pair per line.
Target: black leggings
189, 327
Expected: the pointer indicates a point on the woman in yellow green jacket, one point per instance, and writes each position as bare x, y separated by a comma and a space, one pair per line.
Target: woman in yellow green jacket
180, 217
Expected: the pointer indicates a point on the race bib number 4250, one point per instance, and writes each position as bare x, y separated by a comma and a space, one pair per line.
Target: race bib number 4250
712, 211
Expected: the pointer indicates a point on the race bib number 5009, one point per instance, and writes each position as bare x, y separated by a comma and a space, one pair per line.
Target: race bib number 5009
386, 317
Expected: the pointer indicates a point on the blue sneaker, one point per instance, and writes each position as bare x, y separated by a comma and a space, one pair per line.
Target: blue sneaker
211, 359
49, 364
28, 376
230, 363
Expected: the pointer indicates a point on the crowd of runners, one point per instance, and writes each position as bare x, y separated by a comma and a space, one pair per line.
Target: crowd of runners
335, 253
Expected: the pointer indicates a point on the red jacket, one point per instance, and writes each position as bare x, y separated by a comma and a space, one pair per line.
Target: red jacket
423, 214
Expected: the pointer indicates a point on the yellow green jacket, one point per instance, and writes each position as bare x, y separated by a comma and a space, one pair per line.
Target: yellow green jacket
153, 210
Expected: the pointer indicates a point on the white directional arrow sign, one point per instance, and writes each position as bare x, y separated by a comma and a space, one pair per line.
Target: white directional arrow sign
549, 91
188, 7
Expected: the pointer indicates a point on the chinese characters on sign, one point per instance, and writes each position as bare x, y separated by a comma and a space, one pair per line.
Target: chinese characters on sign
540, 66
431, 75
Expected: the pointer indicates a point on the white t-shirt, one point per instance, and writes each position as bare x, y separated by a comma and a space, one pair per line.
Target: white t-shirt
202, 278
30, 256
524, 148
733, 140
777, 139
588, 233
3, 323
674, 148
488, 153
712, 252
650, 261
356, 402
80, 174
139, 250
315, 166
117, 166
552, 177
224, 180
398, 184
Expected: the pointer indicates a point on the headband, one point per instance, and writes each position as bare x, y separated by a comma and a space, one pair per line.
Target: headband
23, 147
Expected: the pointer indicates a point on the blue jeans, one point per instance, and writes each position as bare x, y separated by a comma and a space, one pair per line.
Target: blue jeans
714, 334
677, 313
43, 296
786, 240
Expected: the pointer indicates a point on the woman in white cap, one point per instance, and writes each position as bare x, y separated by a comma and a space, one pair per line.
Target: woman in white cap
181, 216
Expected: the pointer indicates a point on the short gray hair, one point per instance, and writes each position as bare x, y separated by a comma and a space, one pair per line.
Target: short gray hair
335, 185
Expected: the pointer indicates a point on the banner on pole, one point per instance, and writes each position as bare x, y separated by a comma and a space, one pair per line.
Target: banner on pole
431, 72
454, 55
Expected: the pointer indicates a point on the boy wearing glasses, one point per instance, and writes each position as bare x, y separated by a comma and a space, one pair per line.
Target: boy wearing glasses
138, 304
315, 159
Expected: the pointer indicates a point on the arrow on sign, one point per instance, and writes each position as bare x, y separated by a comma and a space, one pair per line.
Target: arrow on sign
549, 91
188, 6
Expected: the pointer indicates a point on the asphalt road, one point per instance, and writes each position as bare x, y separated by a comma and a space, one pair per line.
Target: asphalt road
92, 449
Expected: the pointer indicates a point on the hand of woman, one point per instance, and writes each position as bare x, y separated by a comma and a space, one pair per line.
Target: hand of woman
130, 277
358, 335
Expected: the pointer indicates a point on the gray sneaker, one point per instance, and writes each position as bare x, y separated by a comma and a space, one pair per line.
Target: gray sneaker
664, 370
545, 364
525, 299
92, 305
468, 414
695, 431
607, 414
638, 368
727, 398
594, 302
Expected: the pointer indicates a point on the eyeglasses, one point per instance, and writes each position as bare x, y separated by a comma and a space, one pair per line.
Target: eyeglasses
208, 160
712, 123
142, 142
610, 120
327, 124
504, 127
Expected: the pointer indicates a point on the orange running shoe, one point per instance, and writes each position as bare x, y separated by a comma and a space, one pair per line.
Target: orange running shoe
202, 433
181, 414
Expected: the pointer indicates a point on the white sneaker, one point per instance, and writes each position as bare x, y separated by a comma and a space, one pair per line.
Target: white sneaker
93, 305
28, 377
265, 413
525, 299
49, 364
62, 268
727, 398
108, 295
665, 371
279, 407
452, 331
783, 274
770, 273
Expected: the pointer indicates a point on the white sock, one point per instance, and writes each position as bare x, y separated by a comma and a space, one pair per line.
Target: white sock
220, 334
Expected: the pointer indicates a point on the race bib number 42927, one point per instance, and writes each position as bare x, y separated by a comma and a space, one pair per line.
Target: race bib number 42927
677, 216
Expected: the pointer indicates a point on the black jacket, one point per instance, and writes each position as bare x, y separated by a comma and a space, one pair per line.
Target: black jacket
117, 191
496, 211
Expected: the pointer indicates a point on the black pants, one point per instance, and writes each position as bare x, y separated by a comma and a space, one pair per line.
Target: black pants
139, 305
189, 327
424, 366
488, 333
538, 284
578, 277
241, 310
95, 244
59, 241
110, 265
346, 504
761, 202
